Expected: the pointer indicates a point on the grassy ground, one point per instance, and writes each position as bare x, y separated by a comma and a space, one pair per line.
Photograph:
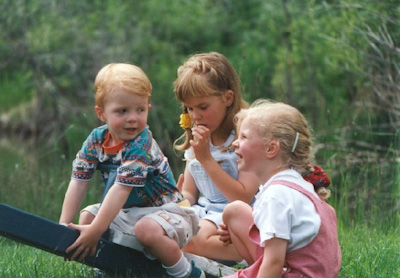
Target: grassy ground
18, 260
366, 252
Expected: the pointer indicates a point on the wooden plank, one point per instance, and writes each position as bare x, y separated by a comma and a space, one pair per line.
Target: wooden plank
115, 259
52, 237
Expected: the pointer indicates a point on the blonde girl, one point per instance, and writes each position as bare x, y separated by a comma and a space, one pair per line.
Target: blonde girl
209, 90
291, 231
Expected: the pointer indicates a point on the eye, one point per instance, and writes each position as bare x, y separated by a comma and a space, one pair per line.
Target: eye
141, 109
189, 109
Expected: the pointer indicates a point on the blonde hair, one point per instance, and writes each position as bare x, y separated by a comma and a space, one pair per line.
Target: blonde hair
120, 76
284, 123
208, 74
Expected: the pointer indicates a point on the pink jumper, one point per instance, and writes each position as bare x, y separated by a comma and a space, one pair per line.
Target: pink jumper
321, 258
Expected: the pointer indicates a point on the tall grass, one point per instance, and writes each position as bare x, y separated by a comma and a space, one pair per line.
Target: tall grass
369, 252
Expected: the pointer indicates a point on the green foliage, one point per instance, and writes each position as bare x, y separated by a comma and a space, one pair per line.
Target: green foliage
16, 88
337, 61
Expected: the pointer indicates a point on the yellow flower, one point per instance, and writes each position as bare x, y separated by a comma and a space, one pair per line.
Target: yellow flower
185, 121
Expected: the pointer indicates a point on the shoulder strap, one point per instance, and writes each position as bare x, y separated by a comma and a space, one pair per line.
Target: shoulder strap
298, 188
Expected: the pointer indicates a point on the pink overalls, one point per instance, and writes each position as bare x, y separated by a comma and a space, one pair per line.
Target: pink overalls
321, 258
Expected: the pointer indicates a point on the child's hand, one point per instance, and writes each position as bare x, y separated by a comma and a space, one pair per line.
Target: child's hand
86, 244
224, 235
201, 142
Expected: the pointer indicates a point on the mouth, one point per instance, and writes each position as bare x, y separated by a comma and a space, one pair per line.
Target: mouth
131, 129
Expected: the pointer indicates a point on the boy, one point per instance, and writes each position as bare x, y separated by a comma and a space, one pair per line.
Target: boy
140, 194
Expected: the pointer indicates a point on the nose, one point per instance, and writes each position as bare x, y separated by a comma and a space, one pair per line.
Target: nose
195, 115
131, 117
235, 143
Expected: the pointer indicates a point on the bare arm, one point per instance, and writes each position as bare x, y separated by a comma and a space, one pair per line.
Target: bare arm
72, 201
274, 258
244, 188
188, 187
86, 243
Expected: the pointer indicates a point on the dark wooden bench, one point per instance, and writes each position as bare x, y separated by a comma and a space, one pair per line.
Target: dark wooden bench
52, 237
114, 259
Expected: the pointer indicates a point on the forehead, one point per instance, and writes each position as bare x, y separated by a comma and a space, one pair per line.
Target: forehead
124, 97
248, 125
197, 101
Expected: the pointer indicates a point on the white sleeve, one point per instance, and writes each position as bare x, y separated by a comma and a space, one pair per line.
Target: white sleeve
273, 215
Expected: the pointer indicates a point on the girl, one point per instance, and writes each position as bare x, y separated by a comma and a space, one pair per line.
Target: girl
293, 231
209, 89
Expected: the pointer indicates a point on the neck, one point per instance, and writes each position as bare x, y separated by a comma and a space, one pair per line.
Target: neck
265, 176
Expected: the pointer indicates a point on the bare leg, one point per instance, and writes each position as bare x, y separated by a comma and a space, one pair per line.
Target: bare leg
86, 218
207, 244
157, 242
238, 218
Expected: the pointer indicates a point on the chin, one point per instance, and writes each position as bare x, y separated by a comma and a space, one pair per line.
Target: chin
241, 167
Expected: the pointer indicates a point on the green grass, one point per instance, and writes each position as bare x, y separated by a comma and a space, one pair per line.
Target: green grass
366, 252
18, 260
369, 252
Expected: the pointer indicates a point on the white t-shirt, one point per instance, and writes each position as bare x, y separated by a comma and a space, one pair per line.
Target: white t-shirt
283, 212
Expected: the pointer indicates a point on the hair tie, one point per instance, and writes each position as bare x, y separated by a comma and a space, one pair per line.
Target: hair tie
295, 142
185, 122
318, 178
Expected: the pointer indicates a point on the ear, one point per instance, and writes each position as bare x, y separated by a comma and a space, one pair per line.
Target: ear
229, 97
100, 113
272, 149
149, 107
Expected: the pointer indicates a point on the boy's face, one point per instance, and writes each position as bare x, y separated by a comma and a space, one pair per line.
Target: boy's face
125, 114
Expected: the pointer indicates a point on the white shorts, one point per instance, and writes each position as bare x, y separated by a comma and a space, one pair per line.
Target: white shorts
179, 223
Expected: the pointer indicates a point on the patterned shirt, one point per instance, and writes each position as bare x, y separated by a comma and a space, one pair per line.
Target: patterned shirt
139, 164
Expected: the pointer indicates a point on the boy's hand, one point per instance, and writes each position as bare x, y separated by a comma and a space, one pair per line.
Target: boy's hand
86, 244
224, 235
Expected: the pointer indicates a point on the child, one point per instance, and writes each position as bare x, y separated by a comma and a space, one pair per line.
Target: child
293, 231
208, 87
140, 194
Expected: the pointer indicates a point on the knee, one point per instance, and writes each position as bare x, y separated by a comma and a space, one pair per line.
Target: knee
142, 231
233, 210
86, 218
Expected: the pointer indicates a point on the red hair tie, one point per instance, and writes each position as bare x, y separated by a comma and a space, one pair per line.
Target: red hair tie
318, 178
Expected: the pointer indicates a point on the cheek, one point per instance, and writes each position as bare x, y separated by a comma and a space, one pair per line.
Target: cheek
248, 153
143, 120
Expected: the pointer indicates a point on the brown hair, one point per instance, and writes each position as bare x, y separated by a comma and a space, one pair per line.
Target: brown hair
208, 74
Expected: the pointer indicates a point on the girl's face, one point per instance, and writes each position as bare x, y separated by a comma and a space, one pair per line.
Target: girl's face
250, 149
125, 114
209, 111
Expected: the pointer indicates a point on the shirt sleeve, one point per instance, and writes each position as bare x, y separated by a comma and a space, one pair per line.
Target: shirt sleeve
85, 163
273, 216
